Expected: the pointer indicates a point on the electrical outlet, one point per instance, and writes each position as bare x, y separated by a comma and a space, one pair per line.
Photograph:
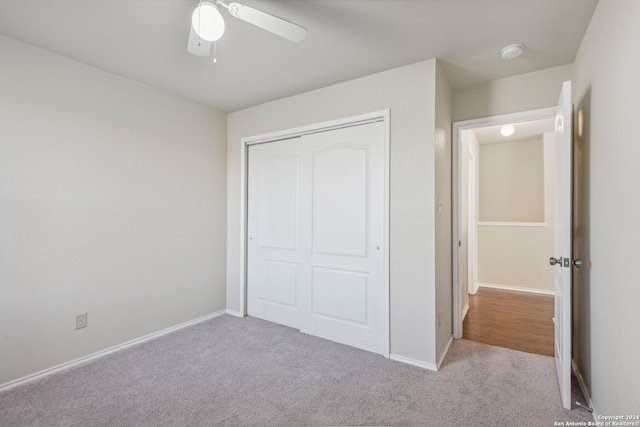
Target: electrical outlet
81, 320
439, 318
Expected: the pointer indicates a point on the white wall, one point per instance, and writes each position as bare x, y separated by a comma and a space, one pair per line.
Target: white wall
524, 92
606, 84
112, 202
444, 262
410, 94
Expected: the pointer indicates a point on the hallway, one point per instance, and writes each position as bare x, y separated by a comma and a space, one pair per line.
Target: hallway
516, 320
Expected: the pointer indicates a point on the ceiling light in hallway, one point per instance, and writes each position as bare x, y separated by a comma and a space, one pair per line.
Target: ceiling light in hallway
507, 130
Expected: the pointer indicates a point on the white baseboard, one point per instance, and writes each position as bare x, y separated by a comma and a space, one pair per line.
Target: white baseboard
414, 362
464, 311
583, 388
102, 353
234, 313
516, 288
421, 364
444, 353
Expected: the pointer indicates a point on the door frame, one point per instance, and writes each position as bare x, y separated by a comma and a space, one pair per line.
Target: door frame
472, 224
457, 129
376, 116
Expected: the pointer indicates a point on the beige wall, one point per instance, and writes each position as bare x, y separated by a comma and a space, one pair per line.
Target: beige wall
524, 92
112, 203
511, 181
516, 255
410, 93
606, 84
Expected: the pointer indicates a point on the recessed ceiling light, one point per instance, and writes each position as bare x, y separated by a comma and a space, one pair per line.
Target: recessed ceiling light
507, 130
512, 51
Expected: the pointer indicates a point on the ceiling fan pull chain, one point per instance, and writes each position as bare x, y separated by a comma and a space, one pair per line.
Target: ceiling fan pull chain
215, 52
199, 20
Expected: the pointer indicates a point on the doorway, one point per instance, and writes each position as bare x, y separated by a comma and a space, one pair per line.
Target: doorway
505, 207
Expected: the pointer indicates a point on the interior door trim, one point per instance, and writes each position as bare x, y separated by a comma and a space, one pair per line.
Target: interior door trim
458, 128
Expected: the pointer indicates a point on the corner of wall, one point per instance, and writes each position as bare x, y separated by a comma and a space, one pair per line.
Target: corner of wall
443, 211
113, 209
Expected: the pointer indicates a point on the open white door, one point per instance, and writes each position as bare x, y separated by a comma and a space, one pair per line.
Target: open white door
561, 259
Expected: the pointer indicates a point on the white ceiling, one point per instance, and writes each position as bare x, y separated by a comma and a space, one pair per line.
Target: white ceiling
145, 40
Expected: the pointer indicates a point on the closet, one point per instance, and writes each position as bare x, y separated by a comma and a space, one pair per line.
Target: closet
315, 241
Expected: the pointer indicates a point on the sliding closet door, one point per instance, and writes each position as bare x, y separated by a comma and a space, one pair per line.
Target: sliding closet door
316, 234
345, 297
274, 252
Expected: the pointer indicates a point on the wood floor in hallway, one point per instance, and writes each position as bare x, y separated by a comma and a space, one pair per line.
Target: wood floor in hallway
516, 320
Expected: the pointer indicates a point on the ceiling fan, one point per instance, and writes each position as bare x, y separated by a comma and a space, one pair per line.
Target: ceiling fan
207, 24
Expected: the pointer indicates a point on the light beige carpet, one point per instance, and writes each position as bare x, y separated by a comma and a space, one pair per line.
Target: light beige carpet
233, 372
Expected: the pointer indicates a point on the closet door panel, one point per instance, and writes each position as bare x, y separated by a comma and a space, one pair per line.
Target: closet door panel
273, 267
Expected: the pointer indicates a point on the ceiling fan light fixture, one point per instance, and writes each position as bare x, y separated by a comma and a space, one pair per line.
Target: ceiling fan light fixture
207, 21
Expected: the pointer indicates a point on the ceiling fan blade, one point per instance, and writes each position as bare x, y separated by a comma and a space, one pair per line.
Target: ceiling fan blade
279, 26
197, 46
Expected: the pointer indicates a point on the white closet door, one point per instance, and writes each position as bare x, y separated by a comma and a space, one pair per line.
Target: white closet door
316, 234
345, 293
273, 247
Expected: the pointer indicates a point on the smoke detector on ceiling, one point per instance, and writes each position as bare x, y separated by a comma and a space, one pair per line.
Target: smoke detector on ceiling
512, 51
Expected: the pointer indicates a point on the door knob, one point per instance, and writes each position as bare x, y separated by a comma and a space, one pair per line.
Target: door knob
577, 263
554, 261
